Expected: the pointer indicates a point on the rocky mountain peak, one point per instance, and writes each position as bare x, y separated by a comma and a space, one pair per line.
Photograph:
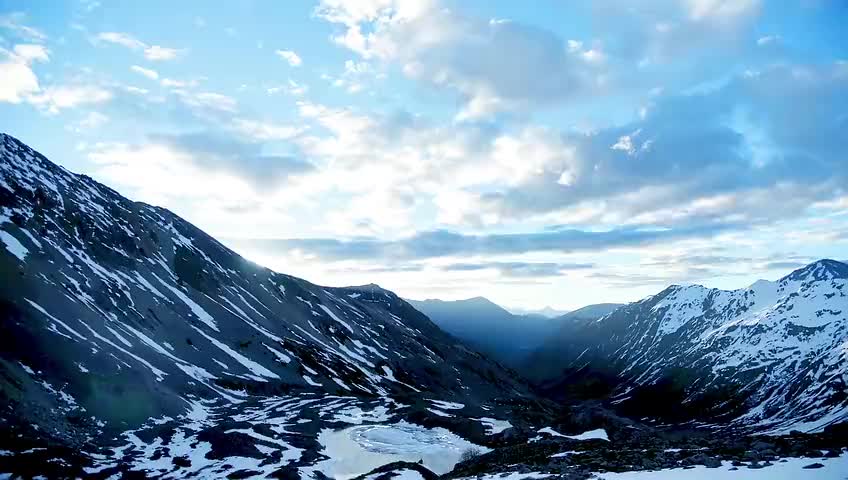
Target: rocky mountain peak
825, 269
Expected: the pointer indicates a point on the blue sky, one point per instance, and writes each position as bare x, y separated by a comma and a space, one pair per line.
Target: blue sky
537, 153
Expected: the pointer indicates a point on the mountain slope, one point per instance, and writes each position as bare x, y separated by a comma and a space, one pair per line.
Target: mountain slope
773, 355
113, 312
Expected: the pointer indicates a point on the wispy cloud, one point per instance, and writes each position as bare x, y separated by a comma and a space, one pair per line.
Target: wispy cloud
291, 87
151, 74
521, 269
150, 52
17, 79
265, 131
443, 243
54, 99
291, 57
14, 23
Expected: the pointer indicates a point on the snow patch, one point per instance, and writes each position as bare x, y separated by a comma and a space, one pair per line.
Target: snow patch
13, 245
598, 434
447, 405
494, 426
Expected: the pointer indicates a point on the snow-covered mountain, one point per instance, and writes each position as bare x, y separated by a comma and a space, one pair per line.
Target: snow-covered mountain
114, 312
773, 355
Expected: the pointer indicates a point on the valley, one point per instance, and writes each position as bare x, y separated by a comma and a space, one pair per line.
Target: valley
135, 345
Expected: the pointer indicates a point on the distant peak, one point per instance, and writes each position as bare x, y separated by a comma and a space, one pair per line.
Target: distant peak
479, 299
368, 286
759, 284
473, 302
825, 269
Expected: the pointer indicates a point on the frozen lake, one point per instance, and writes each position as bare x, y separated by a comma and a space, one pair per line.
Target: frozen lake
359, 449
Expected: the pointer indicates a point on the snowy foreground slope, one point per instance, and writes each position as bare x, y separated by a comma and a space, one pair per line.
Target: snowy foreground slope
773, 356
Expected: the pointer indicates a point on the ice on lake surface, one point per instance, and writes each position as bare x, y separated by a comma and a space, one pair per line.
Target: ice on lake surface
359, 449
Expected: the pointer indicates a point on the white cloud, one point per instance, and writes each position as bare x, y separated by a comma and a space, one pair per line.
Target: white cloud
174, 83
422, 167
217, 100
291, 57
93, 120
150, 52
725, 166
89, 5
88, 123
56, 98
265, 131
13, 22
151, 74
722, 10
29, 53
122, 39
136, 90
209, 100
17, 80
768, 40
159, 173
156, 53
505, 66
594, 56
356, 76
206, 187
656, 170
494, 66
292, 88
625, 143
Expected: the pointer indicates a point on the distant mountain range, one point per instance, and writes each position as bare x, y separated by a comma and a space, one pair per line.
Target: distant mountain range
545, 312
493, 330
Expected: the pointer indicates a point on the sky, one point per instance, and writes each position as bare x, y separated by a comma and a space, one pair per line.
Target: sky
538, 153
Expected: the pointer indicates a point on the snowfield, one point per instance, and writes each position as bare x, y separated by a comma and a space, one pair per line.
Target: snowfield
791, 469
